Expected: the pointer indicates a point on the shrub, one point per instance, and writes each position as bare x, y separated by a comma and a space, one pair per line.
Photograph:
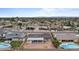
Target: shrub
2, 40
56, 42
16, 44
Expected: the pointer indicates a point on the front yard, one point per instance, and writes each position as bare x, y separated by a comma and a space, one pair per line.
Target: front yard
46, 45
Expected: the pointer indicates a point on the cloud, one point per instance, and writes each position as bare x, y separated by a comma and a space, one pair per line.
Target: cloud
44, 12
41, 12
48, 12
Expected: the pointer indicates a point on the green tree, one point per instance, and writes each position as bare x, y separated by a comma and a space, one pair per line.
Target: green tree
73, 26
56, 42
20, 25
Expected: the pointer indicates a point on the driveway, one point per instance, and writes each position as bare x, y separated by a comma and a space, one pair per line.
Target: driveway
46, 45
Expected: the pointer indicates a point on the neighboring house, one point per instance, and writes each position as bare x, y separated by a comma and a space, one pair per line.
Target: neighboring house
67, 36
2, 32
67, 27
13, 35
77, 28
30, 27
8, 26
43, 28
55, 27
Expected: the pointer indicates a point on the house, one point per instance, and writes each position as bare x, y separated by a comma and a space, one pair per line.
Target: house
38, 37
14, 35
67, 36
30, 27
56, 27
77, 28
67, 27
35, 37
2, 32
43, 28
8, 34
8, 26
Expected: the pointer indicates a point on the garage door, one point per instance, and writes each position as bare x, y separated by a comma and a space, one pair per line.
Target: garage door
67, 40
36, 41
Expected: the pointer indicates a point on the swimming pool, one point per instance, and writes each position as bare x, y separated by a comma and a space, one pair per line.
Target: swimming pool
69, 45
4, 45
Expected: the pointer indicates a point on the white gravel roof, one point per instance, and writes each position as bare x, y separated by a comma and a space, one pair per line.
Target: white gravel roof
35, 39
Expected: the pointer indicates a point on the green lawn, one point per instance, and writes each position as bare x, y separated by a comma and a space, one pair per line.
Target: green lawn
16, 44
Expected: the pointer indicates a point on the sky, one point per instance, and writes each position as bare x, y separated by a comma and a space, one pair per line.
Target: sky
38, 12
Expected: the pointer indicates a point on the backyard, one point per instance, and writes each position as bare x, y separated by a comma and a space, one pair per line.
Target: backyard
16, 44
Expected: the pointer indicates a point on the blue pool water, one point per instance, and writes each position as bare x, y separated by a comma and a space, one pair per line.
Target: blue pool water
70, 45
4, 45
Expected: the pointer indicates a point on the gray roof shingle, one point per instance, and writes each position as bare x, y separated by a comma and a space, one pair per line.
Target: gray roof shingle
15, 35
